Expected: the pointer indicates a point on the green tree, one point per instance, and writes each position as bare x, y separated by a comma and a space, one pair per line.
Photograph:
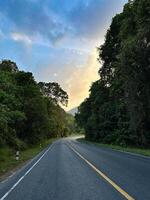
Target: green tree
55, 92
122, 116
28, 116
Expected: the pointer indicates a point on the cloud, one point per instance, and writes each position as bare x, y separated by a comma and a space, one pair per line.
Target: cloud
78, 79
62, 33
20, 37
92, 18
75, 75
31, 18
80, 19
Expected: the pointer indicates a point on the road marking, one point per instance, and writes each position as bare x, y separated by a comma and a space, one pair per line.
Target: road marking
27, 172
119, 189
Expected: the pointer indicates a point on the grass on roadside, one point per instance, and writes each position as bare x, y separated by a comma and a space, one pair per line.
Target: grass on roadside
141, 151
7, 156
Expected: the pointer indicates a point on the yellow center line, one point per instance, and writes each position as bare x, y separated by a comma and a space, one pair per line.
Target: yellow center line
119, 189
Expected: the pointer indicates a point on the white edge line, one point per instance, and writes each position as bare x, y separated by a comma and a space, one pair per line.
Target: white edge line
27, 172
32, 160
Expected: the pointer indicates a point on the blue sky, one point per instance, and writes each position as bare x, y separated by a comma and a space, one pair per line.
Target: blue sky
57, 39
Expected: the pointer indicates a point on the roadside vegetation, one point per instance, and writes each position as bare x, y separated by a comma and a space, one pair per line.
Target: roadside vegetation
136, 150
117, 111
30, 114
8, 161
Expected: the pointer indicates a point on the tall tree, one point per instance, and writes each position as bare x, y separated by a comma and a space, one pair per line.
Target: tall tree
55, 92
123, 116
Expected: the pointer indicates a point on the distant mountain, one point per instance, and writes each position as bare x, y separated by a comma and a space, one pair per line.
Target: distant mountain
73, 111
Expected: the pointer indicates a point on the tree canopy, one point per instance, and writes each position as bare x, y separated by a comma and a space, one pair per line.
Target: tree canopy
29, 113
117, 110
54, 92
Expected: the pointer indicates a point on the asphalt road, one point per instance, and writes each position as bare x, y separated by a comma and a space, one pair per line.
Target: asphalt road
69, 170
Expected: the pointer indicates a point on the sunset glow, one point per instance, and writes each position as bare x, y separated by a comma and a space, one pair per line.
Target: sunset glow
57, 42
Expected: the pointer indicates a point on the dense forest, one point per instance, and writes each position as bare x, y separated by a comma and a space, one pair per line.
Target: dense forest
117, 110
30, 112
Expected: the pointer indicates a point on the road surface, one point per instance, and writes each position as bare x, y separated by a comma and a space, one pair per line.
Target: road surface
70, 170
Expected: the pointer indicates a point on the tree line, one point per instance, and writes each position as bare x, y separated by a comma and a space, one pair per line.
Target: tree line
117, 110
29, 111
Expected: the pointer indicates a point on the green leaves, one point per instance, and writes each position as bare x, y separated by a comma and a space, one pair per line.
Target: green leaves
117, 110
29, 114
54, 92
8, 66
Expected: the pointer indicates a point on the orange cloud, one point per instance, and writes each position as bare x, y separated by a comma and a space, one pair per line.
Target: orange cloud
79, 79
74, 77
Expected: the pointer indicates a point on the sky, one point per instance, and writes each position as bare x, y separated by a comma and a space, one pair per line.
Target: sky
57, 40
